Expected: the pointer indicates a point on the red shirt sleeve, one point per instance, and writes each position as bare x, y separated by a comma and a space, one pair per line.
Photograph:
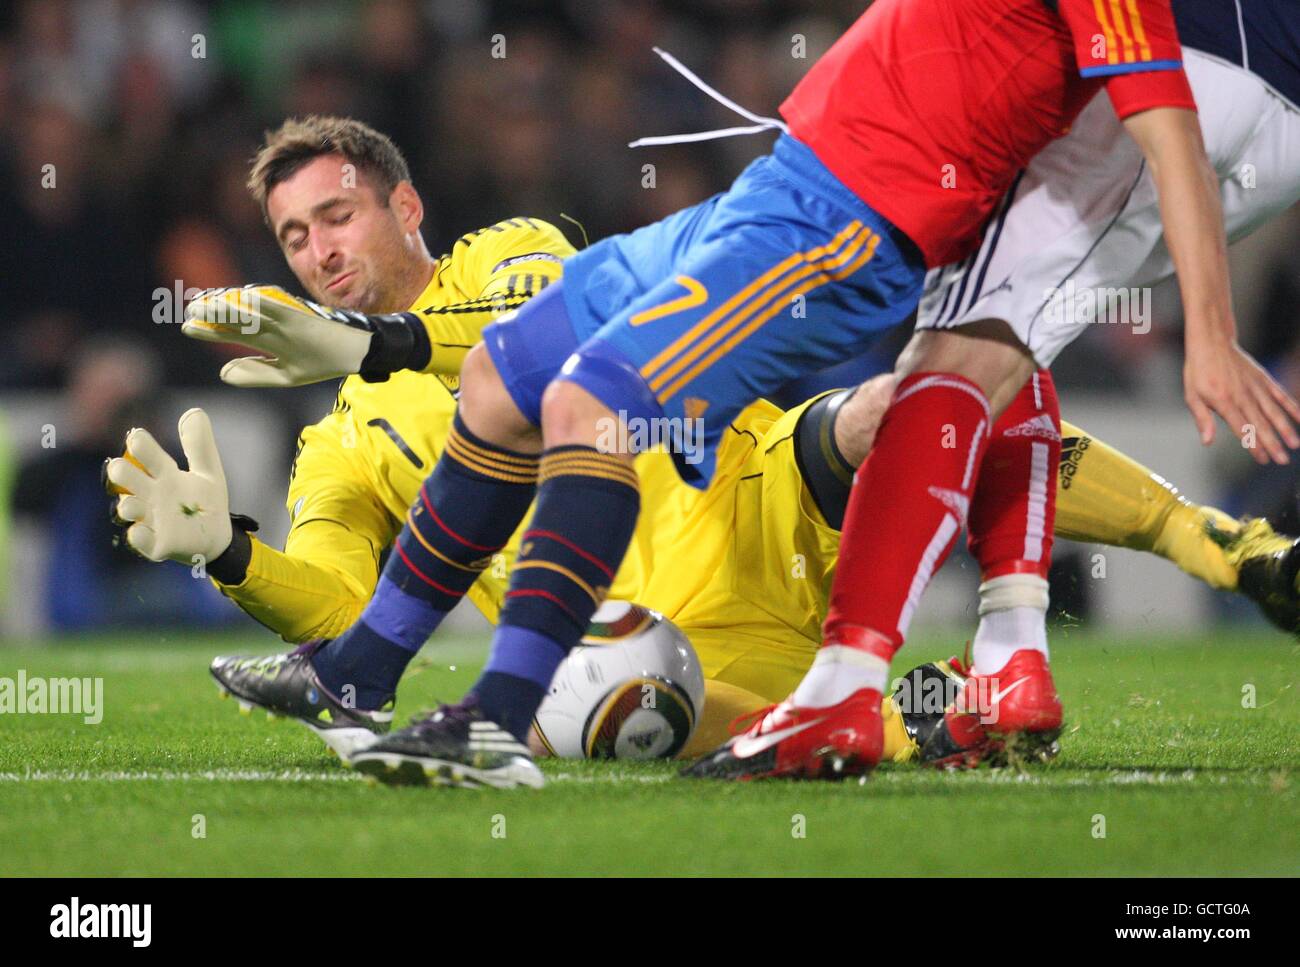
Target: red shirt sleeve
1133, 45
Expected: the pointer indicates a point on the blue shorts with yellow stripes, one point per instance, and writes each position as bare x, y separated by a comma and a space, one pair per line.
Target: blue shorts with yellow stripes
694, 317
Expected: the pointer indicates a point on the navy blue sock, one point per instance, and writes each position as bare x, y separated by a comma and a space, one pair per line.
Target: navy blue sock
587, 505
517, 677
366, 671
464, 515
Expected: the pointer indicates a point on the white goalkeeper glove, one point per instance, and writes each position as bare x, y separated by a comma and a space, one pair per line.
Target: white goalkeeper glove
303, 342
175, 514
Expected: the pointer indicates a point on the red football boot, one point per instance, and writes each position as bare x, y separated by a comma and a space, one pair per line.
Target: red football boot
1016, 711
833, 742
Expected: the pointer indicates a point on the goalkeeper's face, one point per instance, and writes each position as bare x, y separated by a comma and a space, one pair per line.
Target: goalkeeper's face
348, 246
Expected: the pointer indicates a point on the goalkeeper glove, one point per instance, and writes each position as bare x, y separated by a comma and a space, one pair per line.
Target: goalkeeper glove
303, 342
174, 514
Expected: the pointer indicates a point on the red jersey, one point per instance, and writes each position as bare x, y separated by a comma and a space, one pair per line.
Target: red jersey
927, 109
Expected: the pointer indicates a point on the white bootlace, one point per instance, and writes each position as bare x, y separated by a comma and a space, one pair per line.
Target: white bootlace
760, 123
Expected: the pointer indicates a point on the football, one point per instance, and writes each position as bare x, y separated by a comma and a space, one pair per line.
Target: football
632, 690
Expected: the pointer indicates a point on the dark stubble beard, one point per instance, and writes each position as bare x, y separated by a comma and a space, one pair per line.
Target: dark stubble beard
398, 295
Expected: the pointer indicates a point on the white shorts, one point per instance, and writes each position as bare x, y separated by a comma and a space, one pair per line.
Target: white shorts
1081, 225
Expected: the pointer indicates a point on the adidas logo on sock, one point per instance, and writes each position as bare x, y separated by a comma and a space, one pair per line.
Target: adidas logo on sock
1041, 426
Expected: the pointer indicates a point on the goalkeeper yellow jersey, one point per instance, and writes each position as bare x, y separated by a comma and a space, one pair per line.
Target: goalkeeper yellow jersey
743, 567
357, 470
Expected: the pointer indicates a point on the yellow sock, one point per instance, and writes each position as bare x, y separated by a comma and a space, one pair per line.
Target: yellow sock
1104, 497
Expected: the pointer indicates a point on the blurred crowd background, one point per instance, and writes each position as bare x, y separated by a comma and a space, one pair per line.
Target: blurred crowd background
126, 128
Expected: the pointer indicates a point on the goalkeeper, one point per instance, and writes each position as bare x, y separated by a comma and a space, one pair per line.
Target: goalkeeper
761, 541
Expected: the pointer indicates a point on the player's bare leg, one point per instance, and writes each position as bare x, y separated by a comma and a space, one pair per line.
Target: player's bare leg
987, 353
487, 408
571, 416
859, 418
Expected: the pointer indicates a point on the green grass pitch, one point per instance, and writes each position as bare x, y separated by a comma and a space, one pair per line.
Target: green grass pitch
1160, 754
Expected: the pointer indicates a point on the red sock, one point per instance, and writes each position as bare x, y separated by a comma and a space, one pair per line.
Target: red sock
908, 504
1013, 512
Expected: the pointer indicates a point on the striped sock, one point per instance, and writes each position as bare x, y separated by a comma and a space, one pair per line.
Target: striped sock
464, 514
587, 505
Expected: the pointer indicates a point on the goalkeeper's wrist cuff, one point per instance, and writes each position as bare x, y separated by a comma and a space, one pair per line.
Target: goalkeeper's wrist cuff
231, 566
398, 341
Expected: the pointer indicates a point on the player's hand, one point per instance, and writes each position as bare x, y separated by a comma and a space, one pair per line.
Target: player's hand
1220, 377
174, 514
301, 342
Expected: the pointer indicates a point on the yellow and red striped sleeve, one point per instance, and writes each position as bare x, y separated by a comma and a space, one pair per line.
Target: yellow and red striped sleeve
1132, 45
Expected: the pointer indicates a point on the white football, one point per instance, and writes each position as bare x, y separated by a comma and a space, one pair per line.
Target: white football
633, 689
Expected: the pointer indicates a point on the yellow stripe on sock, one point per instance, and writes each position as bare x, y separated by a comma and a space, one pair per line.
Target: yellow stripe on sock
583, 460
507, 475
561, 569
615, 471
496, 456
410, 523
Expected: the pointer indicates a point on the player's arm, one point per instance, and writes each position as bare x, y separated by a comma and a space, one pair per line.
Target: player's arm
490, 272
1104, 496
1218, 375
315, 587
318, 585
1134, 47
